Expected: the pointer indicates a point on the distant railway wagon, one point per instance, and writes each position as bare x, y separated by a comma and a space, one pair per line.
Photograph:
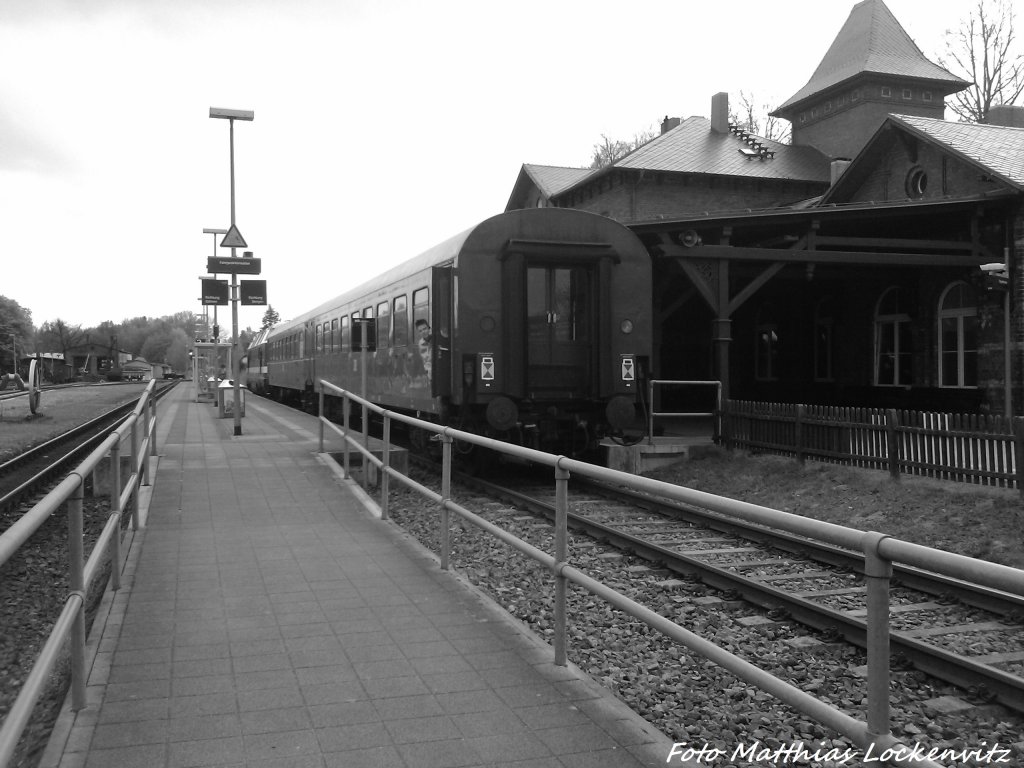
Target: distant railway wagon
533, 327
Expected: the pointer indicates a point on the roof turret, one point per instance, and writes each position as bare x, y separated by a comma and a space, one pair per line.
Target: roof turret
871, 43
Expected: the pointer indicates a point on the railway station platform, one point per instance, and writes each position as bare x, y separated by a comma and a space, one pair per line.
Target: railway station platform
269, 618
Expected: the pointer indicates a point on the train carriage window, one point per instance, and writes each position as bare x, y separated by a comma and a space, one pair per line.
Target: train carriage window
319, 338
401, 322
334, 335
383, 324
345, 335
421, 305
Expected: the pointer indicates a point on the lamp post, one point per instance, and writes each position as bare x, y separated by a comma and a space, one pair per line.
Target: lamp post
231, 115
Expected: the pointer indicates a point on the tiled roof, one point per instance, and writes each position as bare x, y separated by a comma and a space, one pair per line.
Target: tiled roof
872, 42
997, 148
692, 147
551, 180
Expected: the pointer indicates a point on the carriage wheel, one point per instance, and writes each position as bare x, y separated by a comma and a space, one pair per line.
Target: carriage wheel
33, 386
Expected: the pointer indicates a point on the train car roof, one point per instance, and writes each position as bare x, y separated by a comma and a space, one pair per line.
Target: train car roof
439, 254
260, 337
442, 253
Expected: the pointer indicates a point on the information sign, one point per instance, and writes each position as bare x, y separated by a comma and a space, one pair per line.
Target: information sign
215, 292
233, 239
254, 293
227, 266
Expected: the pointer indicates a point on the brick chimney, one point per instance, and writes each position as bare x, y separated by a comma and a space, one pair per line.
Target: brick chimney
720, 113
839, 164
669, 123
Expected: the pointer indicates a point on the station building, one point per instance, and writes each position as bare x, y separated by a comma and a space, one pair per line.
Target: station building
92, 360
874, 261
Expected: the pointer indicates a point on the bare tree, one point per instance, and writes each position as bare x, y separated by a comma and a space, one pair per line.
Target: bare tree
755, 119
609, 151
984, 51
58, 334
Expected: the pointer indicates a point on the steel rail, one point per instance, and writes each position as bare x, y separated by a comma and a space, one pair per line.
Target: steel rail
986, 598
938, 662
107, 420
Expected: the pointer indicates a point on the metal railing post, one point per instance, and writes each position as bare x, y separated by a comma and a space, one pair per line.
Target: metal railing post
152, 404
147, 436
561, 555
346, 415
320, 420
131, 477
76, 582
115, 510
877, 575
650, 411
385, 480
446, 494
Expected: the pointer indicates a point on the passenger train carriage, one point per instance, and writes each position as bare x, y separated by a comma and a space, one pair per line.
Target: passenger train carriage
533, 327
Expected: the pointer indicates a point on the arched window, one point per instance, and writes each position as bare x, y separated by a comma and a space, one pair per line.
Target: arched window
958, 336
767, 357
893, 346
823, 324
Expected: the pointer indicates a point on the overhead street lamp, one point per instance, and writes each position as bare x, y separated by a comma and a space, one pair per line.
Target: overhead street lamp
231, 115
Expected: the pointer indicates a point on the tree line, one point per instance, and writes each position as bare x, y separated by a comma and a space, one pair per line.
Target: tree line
165, 339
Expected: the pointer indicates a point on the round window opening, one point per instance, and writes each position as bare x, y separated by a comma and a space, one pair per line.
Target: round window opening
917, 182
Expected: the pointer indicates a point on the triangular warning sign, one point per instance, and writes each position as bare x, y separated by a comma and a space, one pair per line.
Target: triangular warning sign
233, 239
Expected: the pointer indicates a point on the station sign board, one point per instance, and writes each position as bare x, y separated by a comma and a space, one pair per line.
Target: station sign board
254, 293
233, 266
215, 292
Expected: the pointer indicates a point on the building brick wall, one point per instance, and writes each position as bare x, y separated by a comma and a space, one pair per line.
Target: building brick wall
841, 123
945, 175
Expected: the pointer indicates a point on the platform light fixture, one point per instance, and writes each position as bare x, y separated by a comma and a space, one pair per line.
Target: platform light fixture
231, 115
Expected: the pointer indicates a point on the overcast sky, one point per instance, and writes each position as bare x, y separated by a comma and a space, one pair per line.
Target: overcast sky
381, 128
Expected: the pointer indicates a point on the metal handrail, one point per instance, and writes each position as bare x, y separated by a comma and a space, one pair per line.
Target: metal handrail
716, 414
70, 625
881, 552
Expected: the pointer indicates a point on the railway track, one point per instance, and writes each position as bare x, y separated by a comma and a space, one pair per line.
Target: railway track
962, 634
966, 635
26, 474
